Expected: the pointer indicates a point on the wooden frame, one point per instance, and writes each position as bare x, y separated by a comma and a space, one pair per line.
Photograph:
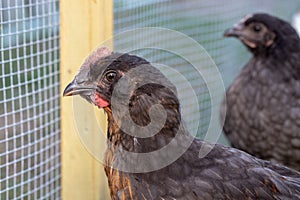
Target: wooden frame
85, 24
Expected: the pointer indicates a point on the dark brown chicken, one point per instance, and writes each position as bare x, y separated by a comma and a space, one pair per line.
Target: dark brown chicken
263, 102
121, 82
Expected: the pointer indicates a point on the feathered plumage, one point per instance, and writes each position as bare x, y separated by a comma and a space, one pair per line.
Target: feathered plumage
113, 80
263, 102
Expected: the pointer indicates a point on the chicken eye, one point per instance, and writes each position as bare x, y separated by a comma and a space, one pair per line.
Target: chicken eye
257, 28
110, 76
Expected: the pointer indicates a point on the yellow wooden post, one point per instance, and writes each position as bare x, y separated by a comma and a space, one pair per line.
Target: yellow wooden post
84, 25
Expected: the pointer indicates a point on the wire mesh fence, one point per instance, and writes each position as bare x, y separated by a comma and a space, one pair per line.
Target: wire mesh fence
29, 99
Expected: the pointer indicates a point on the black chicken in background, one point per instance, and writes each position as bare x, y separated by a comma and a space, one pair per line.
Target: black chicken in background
263, 102
224, 173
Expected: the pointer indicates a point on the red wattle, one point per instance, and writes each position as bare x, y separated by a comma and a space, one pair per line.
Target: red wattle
101, 103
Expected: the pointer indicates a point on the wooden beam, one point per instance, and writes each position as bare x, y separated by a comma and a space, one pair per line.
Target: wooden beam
85, 24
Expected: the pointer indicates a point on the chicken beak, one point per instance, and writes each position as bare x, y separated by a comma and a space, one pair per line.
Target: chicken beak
235, 31
69, 90
74, 89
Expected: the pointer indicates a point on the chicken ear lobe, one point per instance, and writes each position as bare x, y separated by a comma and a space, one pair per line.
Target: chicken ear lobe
269, 39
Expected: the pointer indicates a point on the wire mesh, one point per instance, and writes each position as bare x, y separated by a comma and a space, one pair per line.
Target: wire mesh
204, 21
29, 99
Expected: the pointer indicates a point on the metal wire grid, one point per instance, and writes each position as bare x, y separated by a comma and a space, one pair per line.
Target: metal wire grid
204, 21
29, 99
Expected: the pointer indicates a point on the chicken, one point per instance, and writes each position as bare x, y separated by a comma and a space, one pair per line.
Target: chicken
263, 102
150, 154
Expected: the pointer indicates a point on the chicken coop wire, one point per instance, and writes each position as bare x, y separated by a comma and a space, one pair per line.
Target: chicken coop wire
204, 21
29, 98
